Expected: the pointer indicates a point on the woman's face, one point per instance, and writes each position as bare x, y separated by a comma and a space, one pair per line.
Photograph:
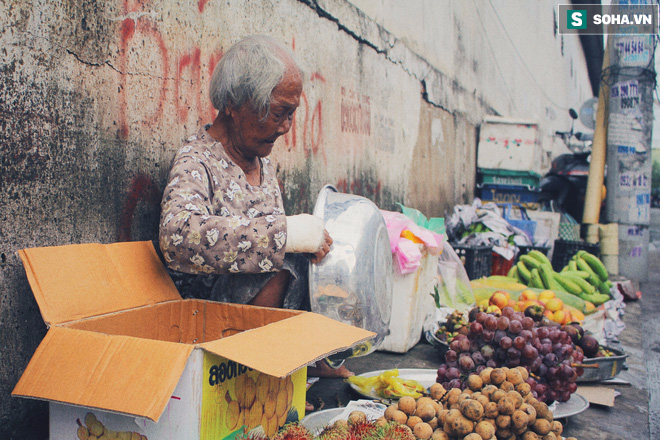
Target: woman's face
254, 137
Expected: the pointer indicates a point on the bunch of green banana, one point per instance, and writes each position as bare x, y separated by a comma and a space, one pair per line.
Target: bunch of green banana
588, 270
535, 270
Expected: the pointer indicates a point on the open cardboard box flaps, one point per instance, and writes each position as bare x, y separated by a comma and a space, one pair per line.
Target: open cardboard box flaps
120, 335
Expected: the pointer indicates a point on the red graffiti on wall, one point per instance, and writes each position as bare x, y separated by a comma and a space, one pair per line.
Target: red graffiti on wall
360, 188
201, 5
310, 116
129, 30
141, 189
190, 61
188, 88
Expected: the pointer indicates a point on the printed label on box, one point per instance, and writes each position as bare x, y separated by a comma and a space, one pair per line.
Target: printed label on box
237, 399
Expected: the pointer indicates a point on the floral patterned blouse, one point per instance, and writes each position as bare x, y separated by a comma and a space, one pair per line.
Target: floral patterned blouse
213, 221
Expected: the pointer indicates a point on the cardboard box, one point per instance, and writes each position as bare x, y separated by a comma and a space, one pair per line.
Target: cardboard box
125, 351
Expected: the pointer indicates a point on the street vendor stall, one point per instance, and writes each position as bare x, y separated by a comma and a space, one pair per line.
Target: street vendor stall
535, 334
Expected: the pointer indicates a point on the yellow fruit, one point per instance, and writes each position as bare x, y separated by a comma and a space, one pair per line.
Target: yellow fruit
499, 298
271, 430
589, 307
232, 415
559, 316
96, 428
528, 294
554, 304
273, 384
546, 295
83, 433
254, 415
289, 391
281, 420
124, 435
250, 392
280, 404
262, 386
239, 387
89, 419
410, 236
270, 404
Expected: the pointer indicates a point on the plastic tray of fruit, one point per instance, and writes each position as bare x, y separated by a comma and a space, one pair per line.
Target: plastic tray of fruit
603, 367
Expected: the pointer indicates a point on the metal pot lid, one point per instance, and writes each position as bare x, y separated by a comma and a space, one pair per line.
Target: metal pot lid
353, 284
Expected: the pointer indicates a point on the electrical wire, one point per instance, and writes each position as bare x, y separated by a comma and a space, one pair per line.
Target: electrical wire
492, 51
522, 61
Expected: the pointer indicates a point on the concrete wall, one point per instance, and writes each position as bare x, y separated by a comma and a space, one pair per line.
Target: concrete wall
96, 96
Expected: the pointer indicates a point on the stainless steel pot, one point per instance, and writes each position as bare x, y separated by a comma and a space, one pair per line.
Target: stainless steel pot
353, 283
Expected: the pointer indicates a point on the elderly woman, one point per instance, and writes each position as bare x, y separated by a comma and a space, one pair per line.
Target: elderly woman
223, 231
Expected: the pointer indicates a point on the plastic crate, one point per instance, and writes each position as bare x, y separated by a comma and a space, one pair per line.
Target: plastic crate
509, 194
564, 251
500, 265
478, 260
530, 179
523, 250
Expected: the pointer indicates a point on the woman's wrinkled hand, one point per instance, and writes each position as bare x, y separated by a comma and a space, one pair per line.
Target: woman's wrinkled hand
325, 249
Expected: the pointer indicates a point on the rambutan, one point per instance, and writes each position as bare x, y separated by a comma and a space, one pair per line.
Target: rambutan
293, 431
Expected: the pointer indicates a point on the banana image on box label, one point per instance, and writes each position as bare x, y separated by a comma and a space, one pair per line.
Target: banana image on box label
93, 429
260, 401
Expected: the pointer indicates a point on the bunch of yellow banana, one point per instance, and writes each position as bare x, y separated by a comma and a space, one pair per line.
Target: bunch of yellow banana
585, 276
262, 402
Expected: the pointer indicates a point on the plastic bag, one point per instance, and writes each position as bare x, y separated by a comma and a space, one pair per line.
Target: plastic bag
483, 225
453, 288
407, 253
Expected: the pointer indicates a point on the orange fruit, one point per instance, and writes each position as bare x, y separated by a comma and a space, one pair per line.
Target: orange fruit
559, 316
554, 304
546, 295
527, 295
499, 299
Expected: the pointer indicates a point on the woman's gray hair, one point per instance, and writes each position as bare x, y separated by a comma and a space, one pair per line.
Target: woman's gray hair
249, 72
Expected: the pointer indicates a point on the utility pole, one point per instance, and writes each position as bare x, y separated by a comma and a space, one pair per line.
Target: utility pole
631, 81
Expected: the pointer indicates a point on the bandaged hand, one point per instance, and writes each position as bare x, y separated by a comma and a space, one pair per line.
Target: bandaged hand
305, 234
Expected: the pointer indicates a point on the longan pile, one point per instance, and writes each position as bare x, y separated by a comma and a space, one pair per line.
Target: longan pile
496, 405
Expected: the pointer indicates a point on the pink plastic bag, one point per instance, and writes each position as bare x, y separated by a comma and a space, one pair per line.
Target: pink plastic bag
407, 254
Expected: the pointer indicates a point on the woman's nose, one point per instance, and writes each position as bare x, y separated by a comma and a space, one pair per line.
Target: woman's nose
285, 126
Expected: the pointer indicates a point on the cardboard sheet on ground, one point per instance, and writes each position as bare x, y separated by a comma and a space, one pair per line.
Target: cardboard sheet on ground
598, 394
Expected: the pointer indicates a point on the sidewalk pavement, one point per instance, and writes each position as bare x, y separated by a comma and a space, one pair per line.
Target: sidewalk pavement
636, 412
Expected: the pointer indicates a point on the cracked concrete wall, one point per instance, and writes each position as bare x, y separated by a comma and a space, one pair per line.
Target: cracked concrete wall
95, 97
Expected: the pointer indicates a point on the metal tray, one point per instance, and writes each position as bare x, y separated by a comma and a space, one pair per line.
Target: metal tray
573, 406
603, 368
353, 284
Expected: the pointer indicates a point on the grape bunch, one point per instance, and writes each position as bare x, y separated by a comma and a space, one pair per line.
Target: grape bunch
511, 340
